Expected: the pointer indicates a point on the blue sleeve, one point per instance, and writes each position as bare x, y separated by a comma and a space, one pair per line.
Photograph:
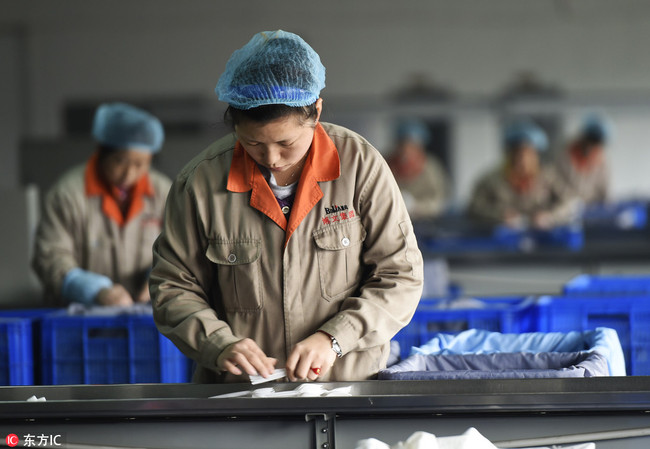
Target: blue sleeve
82, 286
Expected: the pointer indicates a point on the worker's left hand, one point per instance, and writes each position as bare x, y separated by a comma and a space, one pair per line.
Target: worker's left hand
315, 352
543, 220
116, 295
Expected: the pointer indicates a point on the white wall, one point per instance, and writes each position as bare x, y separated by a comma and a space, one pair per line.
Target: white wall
80, 49
477, 132
629, 154
19, 287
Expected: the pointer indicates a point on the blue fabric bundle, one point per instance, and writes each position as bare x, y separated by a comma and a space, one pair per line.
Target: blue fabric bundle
521, 365
508, 350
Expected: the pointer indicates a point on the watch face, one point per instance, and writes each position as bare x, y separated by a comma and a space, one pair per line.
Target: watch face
336, 347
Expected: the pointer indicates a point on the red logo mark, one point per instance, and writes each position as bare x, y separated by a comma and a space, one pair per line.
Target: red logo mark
12, 440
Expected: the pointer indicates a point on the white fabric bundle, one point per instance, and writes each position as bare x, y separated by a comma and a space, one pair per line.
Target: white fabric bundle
471, 439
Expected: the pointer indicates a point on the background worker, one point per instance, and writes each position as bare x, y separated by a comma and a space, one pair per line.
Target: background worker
521, 192
100, 219
285, 244
419, 175
583, 166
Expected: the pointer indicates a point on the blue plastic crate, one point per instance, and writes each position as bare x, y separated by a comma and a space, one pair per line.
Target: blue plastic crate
504, 239
16, 352
588, 285
33, 314
499, 239
30, 356
109, 350
628, 315
567, 237
625, 215
508, 315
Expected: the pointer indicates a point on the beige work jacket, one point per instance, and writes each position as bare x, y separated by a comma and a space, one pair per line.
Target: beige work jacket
493, 196
226, 265
590, 186
74, 232
426, 195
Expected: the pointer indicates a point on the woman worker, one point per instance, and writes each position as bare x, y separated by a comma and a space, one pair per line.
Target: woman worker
420, 176
286, 244
93, 243
583, 166
522, 193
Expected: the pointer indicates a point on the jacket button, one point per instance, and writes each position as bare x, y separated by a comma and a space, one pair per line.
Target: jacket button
285, 210
345, 241
232, 258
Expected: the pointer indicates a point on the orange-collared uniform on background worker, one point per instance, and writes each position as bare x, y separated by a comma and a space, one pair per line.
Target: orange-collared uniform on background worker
100, 219
522, 192
583, 165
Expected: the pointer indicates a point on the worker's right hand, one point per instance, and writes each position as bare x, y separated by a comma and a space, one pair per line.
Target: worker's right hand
245, 356
513, 219
114, 296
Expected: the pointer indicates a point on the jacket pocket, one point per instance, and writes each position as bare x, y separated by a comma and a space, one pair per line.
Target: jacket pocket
238, 273
339, 248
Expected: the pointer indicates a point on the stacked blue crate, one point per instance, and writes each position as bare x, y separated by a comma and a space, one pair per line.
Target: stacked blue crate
626, 295
434, 315
629, 315
601, 285
500, 239
624, 215
108, 350
566, 237
19, 337
16, 352
504, 239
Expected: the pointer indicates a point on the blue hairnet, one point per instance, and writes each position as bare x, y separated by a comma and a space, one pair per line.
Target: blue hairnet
596, 129
275, 67
413, 130
121, 125
525, 132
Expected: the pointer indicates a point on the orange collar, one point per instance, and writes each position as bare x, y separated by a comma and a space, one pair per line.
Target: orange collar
322, 165
581, 162
522, 184
110, 207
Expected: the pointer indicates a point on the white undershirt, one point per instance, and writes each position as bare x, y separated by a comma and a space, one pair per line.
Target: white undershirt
280, 192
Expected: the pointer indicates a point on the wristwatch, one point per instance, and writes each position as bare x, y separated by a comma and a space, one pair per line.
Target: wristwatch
336, 347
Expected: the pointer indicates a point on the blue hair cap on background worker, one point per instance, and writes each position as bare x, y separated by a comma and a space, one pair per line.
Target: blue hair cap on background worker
524, 132
122, 126
258, 73
413, 130
596, 129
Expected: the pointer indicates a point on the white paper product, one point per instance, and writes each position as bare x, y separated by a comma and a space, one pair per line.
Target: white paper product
279, 373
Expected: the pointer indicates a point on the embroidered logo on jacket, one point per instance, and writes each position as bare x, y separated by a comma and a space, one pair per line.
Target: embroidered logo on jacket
336, 213
334, 208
